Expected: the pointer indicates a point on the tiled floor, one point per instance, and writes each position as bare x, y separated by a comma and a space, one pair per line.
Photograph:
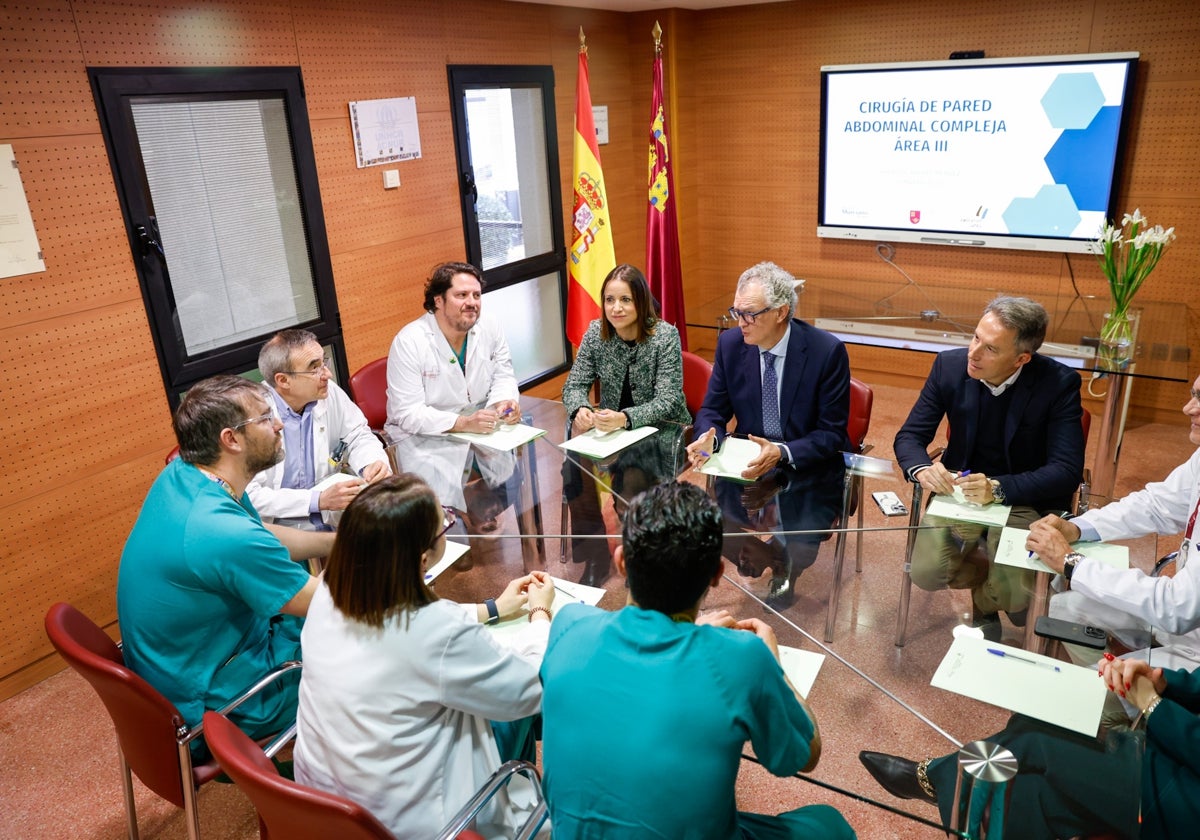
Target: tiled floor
58, 776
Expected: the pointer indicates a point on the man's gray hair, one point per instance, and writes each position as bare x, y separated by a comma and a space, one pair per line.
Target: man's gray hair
276, 355
779, 287
1026, 317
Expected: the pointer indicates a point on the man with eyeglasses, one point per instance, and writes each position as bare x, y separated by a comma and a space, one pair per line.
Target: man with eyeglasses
1126, 601
209, 598
1015, 439
322, 431
788, 385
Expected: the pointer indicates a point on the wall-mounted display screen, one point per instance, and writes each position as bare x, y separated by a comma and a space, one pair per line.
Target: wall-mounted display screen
1000, 153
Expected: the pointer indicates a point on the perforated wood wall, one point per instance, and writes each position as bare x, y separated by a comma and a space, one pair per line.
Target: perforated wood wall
84, 421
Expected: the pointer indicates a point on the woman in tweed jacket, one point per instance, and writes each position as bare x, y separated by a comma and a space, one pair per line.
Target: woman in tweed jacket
638, 361
635, 356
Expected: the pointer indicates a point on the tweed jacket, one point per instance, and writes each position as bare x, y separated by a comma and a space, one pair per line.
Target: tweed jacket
655, 375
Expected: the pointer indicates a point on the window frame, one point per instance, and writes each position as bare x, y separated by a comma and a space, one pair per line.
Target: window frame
112, 88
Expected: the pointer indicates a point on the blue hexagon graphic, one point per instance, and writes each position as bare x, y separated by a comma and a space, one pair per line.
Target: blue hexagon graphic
1049, 213
1080, 159
1072, 100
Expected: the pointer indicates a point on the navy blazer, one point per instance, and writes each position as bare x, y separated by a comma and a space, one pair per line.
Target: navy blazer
814, 400
1043, 438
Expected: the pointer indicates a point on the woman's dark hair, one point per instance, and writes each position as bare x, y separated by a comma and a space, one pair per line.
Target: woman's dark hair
443, 275
374, 569
643, 302
672, 545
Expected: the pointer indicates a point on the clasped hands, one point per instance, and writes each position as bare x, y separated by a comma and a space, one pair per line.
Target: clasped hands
601, 419
1132, 679
487, 420
722, 618
535, 589
700, 450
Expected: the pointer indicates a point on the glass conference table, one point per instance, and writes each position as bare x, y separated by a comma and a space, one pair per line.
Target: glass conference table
543, 508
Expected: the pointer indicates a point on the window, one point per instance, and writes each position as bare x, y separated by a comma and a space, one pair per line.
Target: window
217, 181
506, 141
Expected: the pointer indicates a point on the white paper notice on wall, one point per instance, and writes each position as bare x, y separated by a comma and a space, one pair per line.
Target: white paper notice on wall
385, 130
600, 120
19, 249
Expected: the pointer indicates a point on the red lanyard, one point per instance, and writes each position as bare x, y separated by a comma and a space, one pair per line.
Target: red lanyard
1192, 520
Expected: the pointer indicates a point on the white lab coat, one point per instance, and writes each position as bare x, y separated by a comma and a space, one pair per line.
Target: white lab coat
427, 391
334, 418
398, 719
1128, 598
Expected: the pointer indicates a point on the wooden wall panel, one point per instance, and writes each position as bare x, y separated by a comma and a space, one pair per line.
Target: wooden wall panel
43, 88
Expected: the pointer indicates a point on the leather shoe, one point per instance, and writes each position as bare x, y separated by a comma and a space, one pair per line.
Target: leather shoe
897, 775
989, 623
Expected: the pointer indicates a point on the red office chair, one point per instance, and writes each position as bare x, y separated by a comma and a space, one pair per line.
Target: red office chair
696, 373
152, 739
172, 455
368, 388
1038, 603
290, 810
862, 398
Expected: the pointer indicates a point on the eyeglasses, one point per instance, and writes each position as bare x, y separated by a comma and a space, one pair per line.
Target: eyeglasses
317, 371
449, 517
261, 419
747, 318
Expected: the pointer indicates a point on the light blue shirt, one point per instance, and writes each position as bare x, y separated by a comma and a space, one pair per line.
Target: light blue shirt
298, 450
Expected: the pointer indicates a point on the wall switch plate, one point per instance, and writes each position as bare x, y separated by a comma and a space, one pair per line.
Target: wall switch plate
391, 179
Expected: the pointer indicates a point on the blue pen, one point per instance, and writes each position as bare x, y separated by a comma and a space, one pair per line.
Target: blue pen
506, 412
964, 473
1006, 655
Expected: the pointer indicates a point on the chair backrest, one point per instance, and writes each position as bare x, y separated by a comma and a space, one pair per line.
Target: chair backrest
696, 372
368, 388
861, 400
288, 810
172, 455
146, 722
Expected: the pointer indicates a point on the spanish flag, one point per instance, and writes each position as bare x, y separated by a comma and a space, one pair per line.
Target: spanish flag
592, 255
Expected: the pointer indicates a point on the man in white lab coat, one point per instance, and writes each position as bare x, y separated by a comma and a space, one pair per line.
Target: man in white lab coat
450, 371
322, 431
1126, 601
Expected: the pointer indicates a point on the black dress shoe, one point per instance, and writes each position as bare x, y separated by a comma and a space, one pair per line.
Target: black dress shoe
897, 775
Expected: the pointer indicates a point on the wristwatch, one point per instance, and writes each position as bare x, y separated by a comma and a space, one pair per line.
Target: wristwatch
493, 613
998, 492
1069, 564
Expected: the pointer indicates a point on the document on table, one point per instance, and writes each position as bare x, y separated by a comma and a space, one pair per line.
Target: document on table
1048, 689
957, 507
597, 444
565, 592
1012, 552
506, 438
732, 460
454, 550
801, 667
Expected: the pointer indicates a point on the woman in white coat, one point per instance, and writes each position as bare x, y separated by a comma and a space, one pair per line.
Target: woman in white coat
400, 689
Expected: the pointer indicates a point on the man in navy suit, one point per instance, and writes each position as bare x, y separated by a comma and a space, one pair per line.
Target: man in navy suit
1014, 439
788, 386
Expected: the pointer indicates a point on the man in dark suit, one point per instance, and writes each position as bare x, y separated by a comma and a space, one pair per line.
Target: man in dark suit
788, 386
1014, 439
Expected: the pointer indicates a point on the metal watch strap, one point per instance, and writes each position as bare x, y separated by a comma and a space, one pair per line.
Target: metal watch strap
1069, 564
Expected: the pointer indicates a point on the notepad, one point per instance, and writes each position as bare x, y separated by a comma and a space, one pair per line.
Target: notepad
733, 459
597, 444
506, 438
958, 508
801, 667
1020, 681
453, 551
1011, 551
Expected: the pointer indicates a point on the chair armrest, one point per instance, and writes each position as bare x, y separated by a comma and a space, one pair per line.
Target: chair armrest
497, 782
264, 682
280, 741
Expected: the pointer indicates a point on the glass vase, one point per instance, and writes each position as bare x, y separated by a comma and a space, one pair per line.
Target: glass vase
1118, 337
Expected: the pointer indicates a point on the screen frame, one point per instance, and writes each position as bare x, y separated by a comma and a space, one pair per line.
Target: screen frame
974, 239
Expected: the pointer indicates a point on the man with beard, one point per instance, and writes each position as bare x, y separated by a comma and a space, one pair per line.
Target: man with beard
450, 371
209, 599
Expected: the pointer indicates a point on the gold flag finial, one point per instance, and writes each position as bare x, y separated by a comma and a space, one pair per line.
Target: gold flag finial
582, 41
657, 33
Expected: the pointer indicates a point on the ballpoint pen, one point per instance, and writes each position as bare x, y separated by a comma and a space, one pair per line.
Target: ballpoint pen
1003, 654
